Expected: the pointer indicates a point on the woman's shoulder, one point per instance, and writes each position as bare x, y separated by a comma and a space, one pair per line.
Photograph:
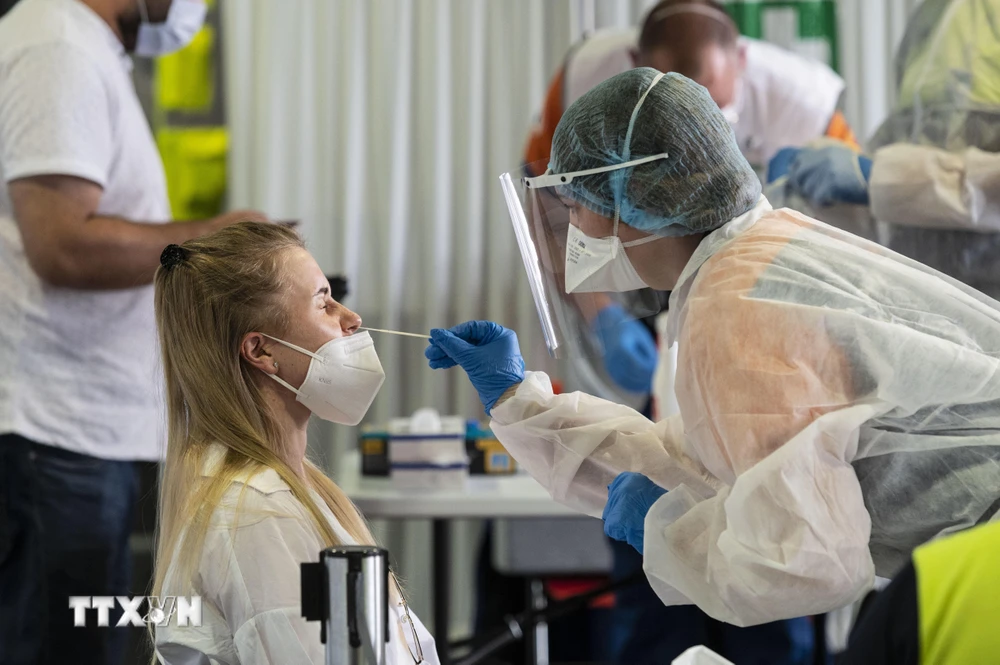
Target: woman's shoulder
257, 491
257, 504
264, 504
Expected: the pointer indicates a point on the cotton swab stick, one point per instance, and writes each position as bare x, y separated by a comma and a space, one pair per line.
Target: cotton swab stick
396, 332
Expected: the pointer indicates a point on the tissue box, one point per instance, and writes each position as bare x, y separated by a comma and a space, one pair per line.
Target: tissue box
428, 450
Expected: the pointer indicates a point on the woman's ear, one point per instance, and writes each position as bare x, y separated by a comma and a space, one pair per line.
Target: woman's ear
254, 352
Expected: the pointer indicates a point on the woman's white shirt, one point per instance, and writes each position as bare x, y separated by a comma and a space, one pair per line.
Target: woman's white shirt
248, 580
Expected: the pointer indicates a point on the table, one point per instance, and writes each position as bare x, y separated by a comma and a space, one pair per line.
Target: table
483, 497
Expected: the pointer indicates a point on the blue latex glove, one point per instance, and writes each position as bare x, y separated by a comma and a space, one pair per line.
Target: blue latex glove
630, 353
831, 174
487, 352
781, 163
630, 496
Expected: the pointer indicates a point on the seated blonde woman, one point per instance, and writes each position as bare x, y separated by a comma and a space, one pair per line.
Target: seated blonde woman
253, 345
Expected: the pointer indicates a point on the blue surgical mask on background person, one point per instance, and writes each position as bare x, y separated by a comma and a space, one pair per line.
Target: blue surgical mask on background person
184, 19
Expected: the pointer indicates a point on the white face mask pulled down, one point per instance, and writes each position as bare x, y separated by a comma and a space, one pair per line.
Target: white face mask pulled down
184, 20
343, 379
601, 264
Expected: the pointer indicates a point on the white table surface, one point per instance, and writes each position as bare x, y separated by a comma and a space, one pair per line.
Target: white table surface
484, 496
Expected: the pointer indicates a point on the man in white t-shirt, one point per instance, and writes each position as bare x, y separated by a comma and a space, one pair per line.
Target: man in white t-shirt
82, 224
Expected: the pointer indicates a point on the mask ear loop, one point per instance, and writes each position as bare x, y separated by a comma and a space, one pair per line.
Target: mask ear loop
641, 241
628, 154
285, 383
295, 348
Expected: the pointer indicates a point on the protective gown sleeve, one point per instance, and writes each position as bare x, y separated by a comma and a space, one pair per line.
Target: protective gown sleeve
923, 186
769, 401
575, 444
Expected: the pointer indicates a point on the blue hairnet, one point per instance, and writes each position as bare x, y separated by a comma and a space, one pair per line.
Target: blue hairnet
702, 183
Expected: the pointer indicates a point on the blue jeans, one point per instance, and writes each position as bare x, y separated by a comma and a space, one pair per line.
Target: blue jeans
65, 520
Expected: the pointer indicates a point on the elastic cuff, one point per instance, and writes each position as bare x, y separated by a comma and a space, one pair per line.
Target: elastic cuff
507, 394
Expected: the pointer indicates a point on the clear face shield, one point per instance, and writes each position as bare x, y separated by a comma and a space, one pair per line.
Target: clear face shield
584, 286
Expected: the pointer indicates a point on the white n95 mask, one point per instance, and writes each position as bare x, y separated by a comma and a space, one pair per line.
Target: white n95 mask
184, 20
343, 379
600, 264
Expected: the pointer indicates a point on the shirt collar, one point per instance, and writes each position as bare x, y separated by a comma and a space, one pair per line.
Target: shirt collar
94, 22
266, 481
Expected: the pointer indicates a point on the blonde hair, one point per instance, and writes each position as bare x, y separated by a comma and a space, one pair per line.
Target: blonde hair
211, 292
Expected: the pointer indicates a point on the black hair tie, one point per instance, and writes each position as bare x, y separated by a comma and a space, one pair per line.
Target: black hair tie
172, 255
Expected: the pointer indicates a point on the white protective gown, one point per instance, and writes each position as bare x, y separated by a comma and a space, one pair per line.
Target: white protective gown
839, 405
248, 579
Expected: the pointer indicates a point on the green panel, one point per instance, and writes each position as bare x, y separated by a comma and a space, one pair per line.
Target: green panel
747, 17
816, 19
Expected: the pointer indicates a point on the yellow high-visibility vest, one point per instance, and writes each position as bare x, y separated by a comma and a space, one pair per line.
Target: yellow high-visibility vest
958, 591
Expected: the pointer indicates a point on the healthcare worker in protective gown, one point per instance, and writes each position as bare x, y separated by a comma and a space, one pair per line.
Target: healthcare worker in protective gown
839, 403
931, 176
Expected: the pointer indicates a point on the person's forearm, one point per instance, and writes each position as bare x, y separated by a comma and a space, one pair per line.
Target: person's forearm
114, 253
926, 187
69, 244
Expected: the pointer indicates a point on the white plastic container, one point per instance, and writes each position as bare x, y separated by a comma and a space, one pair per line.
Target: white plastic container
428, 451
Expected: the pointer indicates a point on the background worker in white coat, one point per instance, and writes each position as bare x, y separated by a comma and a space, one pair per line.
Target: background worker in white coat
931, 174
838, 402
773, 98
82, 225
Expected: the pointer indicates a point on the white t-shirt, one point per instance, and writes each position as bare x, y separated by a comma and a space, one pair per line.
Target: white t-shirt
78, 369
783, 99
248, 580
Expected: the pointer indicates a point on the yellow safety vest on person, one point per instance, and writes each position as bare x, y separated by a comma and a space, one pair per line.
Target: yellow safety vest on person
942, 608
958, 592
